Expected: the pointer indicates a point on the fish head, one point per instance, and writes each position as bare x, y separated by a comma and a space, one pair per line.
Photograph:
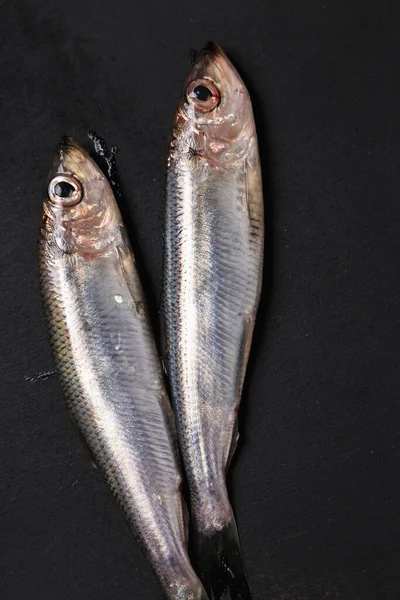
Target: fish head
214, 121
79, 213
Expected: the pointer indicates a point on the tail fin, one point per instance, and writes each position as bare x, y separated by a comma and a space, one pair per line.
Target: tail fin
220, 565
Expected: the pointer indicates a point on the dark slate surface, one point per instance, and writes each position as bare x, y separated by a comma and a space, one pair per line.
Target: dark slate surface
316, 480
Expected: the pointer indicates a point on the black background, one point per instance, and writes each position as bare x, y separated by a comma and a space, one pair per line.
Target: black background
316, 480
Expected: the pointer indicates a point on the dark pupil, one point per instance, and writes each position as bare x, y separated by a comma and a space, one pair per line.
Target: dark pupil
64, 189
202, 93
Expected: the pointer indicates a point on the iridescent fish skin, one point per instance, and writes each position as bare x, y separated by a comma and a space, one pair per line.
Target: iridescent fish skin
108, 364
212, 280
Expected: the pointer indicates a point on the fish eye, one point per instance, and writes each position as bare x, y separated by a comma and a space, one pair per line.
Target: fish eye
65, 190
203, 94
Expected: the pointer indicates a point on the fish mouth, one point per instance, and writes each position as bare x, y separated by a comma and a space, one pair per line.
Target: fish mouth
67, 155
210, 50
67, 144
210, 62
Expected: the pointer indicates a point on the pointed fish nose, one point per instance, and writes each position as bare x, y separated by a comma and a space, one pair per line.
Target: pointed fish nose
210, 50
65, 146
66, 156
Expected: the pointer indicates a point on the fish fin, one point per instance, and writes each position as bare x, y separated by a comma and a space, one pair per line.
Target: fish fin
220, 565
86, 451
163, 345
234, 443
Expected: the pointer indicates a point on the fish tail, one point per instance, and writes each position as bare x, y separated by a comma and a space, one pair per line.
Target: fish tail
220, 564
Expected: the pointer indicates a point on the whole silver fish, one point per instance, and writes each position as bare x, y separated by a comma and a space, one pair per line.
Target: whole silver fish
212, 280
107, 361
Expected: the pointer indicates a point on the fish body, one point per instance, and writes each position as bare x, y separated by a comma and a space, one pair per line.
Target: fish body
108, 364
212, 280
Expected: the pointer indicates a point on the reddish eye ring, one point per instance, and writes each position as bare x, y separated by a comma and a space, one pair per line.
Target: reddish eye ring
203, 94
65, 190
